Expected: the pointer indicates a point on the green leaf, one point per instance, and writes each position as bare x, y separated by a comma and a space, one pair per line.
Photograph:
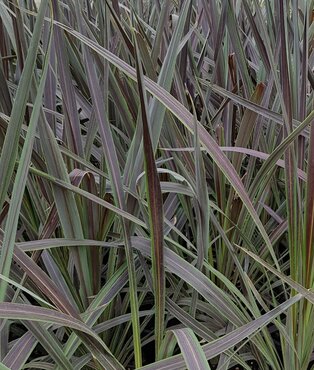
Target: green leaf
11, 146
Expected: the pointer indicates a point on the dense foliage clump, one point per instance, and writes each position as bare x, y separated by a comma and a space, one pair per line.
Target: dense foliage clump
157, 184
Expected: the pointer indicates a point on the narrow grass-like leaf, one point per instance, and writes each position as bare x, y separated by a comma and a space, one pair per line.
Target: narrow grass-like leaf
72, 125
115, 177
191, 349
49, 341
21, 176
306, 293
32, 313
155, 208
25, 290
20, 352
10, 146
309, 215
66, 205
46, 285
43, 244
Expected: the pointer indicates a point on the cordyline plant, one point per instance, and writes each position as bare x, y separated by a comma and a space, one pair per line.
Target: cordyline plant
157, 184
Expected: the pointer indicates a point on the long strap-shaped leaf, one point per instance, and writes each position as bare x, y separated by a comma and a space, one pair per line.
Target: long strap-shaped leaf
155, 208
115, 179
21, 176
20, 351
71, 122
10, 146
32, 313
191, 349
156, 111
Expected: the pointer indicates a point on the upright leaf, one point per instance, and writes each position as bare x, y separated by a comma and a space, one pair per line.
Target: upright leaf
155, 208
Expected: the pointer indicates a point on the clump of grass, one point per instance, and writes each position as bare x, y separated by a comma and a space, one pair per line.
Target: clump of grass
157, 177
